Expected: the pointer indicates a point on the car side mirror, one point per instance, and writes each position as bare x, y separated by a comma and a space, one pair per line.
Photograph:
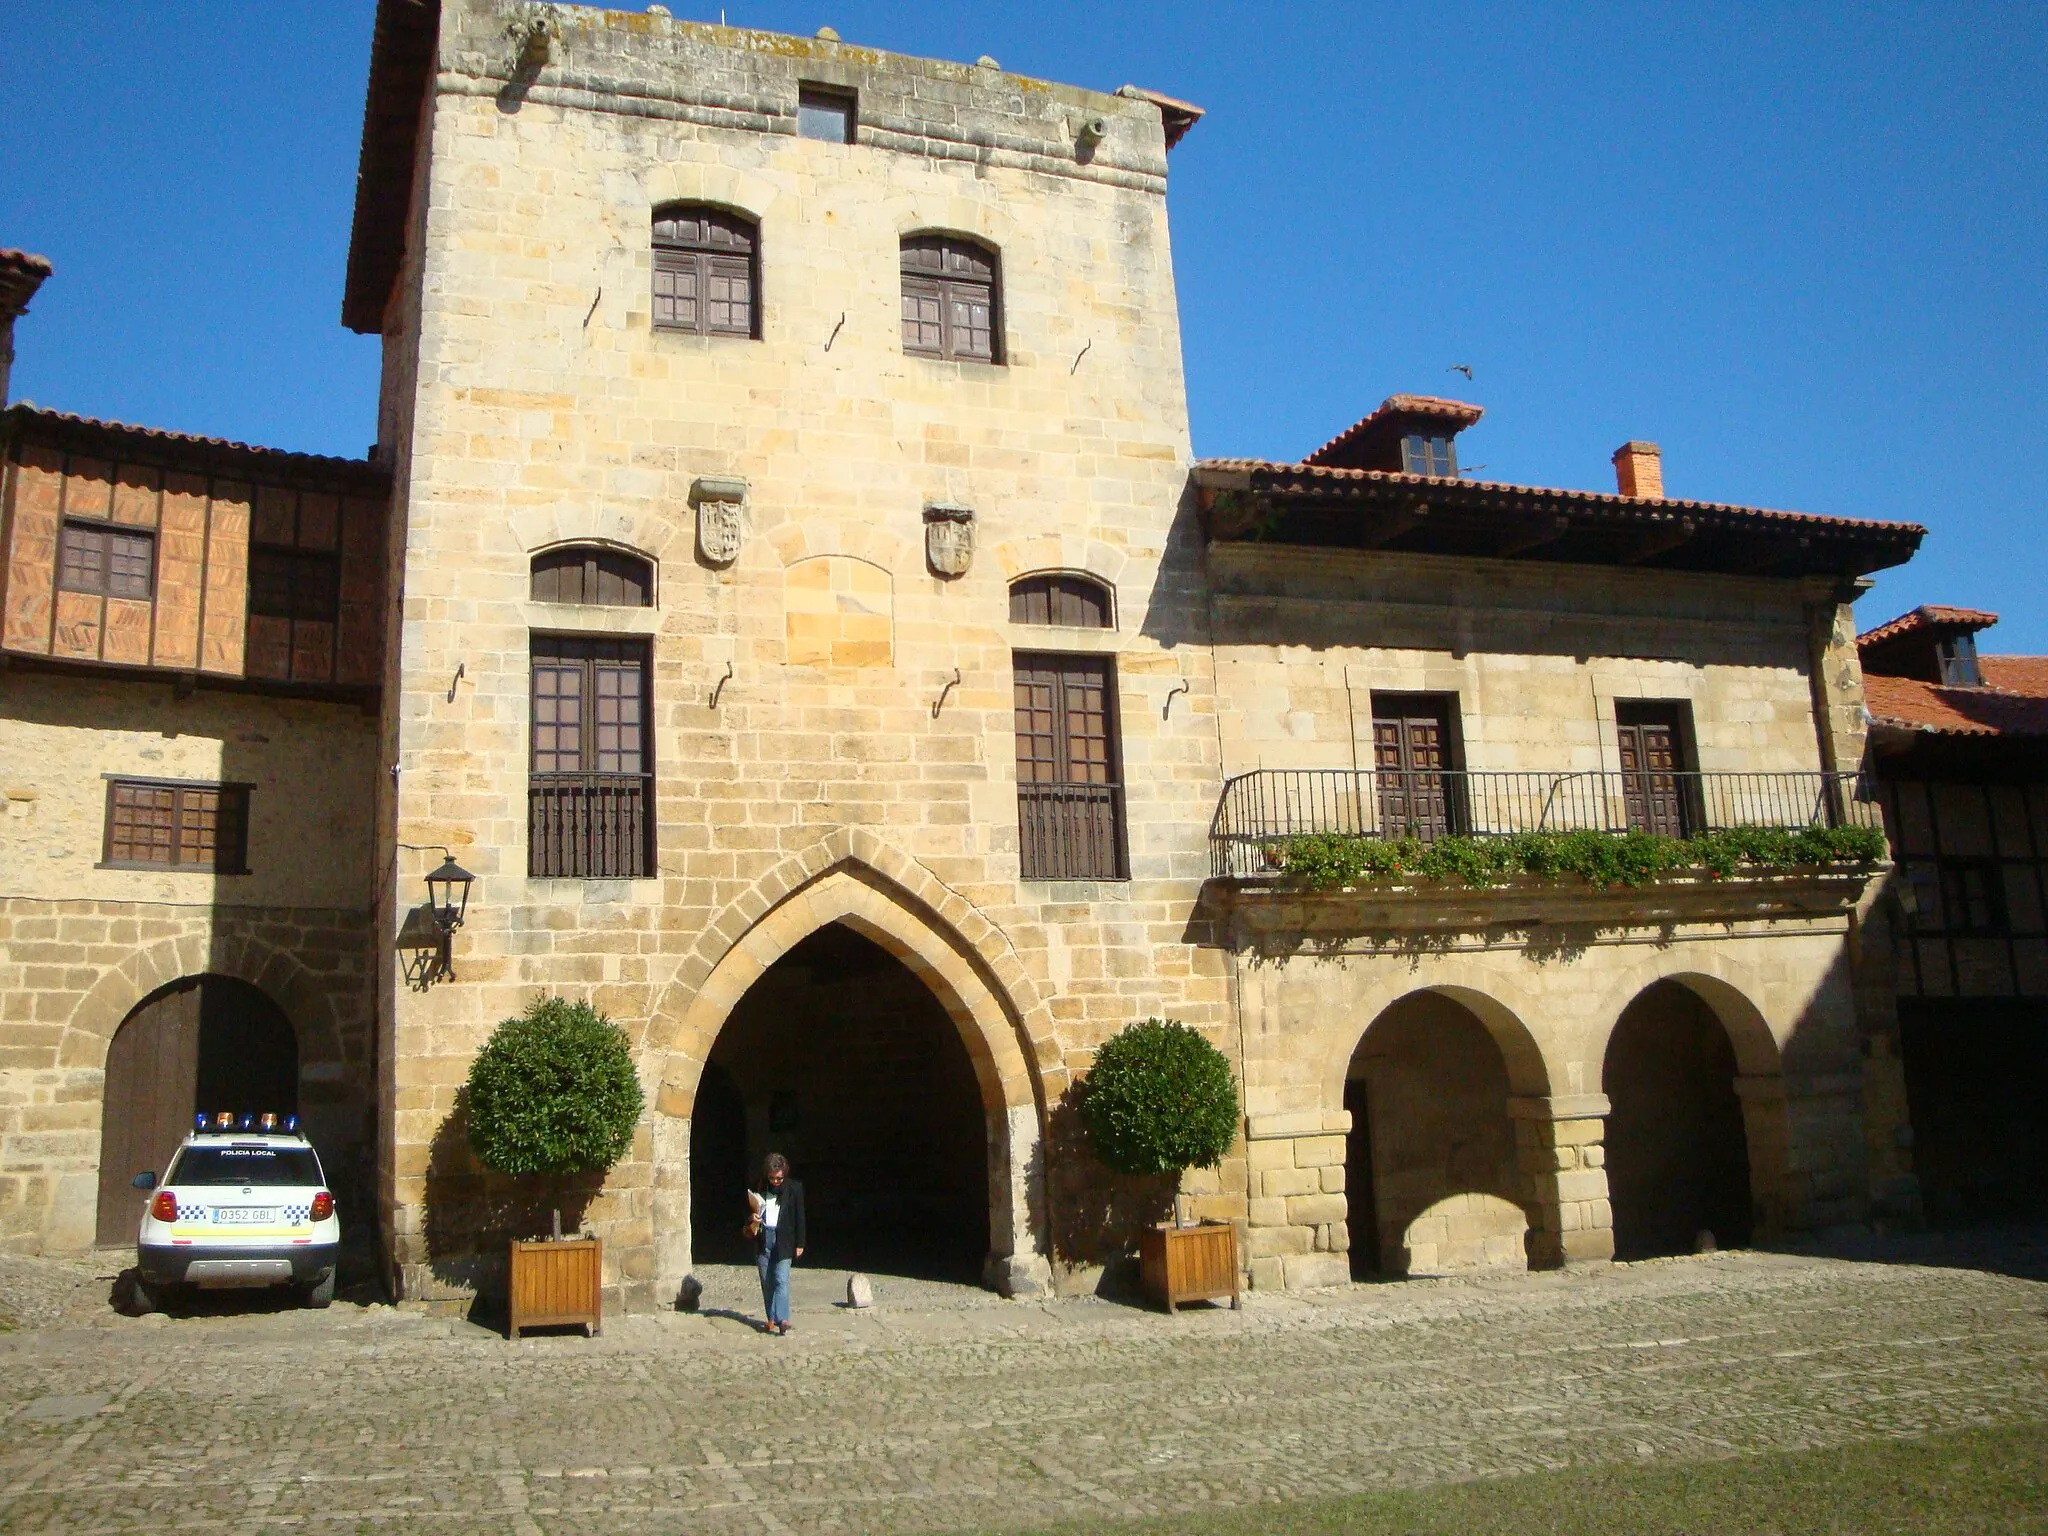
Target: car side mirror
144, 1181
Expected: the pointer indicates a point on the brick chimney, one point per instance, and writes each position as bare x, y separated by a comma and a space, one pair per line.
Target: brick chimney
20, 276
1639, 471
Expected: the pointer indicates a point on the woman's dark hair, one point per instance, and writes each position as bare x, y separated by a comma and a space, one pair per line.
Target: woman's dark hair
771, 1165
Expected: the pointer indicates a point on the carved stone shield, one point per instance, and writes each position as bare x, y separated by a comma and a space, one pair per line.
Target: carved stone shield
718, 531
721, 517
949, 539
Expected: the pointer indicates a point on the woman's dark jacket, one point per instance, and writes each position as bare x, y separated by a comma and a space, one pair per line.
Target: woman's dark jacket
789, 1229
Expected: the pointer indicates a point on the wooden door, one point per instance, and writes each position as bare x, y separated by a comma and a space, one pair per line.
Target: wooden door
1652, 765
1069, 784
152, 1089
1411, 756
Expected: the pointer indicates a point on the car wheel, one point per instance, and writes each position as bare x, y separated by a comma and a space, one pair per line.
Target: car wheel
320, 1293
144, 1298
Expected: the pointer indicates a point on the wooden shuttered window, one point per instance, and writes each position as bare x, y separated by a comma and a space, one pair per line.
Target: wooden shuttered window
591, 791
1656, 791
108, 560
1075, 601
1070, 794
949, 299
590, 573
154, 822
1414, 765
705, 275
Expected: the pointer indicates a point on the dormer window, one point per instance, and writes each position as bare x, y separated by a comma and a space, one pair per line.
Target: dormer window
1429, 455
1956, 654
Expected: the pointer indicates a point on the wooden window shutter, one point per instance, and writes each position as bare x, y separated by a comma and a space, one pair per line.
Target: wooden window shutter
706, 275
1070, 793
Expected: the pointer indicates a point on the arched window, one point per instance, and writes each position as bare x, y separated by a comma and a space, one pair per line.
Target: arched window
1080, 602
950, 299
591, 573
706, 280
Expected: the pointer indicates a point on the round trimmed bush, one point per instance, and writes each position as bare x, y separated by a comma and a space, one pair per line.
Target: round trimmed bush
554, 1091
1159, 1098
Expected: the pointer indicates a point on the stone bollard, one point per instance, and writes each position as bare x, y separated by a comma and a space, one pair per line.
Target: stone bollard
860, 1293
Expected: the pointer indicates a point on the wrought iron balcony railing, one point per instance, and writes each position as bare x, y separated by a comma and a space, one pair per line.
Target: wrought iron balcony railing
1071, 831
592, 825
1258, 808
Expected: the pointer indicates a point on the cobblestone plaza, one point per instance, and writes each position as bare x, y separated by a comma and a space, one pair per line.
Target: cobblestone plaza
947, 1408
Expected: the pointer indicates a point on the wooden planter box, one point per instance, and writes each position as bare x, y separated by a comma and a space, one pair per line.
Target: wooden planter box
556, 1283
1181, 1264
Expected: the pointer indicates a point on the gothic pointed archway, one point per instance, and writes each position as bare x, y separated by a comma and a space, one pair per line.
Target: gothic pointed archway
956, 981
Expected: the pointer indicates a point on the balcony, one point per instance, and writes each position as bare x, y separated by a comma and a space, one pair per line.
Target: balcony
1071, 831
591, 826
1259, 809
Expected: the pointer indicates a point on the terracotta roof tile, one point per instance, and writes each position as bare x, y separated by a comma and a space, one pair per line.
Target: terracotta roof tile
1600, 499
2016, 674
21, 274
1944, 711
1928, 616
1451, 411
112, 436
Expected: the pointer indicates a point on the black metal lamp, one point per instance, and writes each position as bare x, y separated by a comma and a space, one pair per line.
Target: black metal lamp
448, 899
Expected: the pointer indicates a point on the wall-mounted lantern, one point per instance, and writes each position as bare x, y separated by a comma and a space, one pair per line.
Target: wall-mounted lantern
447, 901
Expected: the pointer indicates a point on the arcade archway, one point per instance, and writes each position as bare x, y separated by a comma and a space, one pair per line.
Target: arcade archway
1677, 1153
208, 1043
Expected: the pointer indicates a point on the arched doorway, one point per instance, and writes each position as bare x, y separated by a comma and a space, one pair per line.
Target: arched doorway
844, 1061
1677, 1158
203, 1042
1433, 1182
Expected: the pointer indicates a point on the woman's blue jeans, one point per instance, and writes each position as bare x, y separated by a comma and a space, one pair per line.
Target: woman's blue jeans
774, 1286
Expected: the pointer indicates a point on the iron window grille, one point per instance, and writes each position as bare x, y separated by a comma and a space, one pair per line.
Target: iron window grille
1070, 792
590, 799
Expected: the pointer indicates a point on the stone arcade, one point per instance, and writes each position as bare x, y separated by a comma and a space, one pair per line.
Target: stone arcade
811, 626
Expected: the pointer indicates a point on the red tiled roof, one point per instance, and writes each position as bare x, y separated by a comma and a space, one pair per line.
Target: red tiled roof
1175, 115
1928, 616
112, 437
2016, 674
1602, 499
1452, 411
1990, 711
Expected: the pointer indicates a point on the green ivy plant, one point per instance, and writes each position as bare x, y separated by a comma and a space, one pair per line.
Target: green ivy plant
1159, 1098
553, 1091
1330, 861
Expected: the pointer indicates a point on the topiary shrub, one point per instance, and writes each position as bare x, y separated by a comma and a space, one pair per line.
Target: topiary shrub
1159, 1098
554, 1091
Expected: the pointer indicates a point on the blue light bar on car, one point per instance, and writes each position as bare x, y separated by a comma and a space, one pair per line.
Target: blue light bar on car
291, 1123
199, 1121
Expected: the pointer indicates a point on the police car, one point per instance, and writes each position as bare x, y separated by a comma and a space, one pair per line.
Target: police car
244, 1203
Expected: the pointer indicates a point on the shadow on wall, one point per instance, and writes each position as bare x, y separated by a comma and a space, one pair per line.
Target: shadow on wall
1097, 1214
472, 1214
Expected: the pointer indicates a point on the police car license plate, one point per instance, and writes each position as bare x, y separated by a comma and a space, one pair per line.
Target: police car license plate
252, 1214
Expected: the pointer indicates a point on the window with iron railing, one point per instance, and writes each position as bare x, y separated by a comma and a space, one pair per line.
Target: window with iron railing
590, 798
1070, 793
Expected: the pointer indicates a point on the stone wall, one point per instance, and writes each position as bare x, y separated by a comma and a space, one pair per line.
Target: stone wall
80, 945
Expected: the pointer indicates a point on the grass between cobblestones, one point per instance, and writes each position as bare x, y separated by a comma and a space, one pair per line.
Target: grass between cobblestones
1993, 1478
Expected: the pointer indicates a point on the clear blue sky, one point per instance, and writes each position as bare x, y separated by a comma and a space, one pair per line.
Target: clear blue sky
1804, 249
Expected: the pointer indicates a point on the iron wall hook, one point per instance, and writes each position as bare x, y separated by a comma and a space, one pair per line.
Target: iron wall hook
940, 702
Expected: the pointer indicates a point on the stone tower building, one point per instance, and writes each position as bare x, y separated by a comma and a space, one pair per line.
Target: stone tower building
733, 382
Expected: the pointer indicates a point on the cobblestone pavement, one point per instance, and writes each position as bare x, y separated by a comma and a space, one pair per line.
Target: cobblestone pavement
945, 1408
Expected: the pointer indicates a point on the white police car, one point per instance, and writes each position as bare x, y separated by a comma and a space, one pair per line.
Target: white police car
244, 1203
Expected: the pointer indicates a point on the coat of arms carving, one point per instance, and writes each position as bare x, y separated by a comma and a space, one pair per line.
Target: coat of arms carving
721, 518
948, 539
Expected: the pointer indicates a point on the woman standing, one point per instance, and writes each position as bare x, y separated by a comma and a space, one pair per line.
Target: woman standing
779, 1211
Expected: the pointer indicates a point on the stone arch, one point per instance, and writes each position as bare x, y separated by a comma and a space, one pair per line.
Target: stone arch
851, 878
311, 1007
1432, 1081
839, 611
715, 186
1758, 1043
1047, 553
1759, 1078
798, 540
985, 222
652, 537
1528, 1072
